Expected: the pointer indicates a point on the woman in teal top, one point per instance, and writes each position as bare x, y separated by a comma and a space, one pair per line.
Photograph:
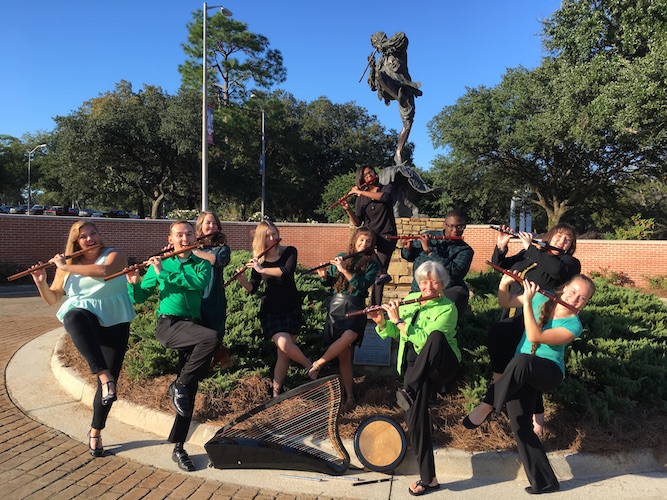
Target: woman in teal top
351, 278
428, 355
538, 366
96, 314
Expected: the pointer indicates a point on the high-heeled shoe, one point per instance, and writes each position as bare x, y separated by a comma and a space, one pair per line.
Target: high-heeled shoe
95, 452
468, 424
111, 396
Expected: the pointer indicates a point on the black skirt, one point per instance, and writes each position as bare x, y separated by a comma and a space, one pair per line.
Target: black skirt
337, 323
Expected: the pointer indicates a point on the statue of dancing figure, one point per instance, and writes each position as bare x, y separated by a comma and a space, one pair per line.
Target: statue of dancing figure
389, 76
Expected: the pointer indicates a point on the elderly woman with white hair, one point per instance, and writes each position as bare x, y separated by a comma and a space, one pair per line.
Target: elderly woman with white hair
428, 355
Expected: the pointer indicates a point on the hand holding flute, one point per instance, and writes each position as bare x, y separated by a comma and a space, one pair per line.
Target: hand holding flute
154, 260
250, 264
393, 305
506, 233
546, 293
354, 190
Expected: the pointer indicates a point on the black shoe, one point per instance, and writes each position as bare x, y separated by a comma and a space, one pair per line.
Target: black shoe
404, 399
180, 400
467, 423
180, 456
111, 395
547, 489
95, 452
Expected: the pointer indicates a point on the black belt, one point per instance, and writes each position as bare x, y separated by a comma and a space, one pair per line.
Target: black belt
173, 319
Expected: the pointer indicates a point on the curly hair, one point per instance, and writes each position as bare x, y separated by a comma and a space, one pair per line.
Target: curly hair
355, 266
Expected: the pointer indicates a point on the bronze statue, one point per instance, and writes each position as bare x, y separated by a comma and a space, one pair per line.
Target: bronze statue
389, 76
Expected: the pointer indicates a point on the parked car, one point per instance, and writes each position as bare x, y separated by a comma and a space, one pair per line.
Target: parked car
4, 209
86, 212
97, 213
19, 209
72, 211
37, 210
54, 210
118, 214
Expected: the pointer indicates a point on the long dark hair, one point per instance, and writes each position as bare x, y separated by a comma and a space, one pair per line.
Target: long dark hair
356, 266
563, 227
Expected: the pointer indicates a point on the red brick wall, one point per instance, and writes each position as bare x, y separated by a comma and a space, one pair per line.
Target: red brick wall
29, 239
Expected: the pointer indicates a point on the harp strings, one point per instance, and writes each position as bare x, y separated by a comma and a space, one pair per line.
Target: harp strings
302, 422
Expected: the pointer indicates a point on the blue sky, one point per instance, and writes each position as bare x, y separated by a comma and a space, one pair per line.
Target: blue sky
56, 55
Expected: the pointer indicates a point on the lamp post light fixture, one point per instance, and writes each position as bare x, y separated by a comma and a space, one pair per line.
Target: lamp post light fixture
204, 135
29, 187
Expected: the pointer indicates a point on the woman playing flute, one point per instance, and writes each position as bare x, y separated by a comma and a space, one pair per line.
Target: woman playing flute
96, 314
538, 366
549, 269
351, 279
214, 302
374, 208
429, 356
280, 312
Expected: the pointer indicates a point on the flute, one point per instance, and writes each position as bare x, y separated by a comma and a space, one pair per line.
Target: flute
539, 243
343, 198
401, 303
201, 238
146, 263
37, 267
430, 237
344, 257
243, 269
546, 293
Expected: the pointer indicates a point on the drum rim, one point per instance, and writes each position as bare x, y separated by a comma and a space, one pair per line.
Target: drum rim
401, 433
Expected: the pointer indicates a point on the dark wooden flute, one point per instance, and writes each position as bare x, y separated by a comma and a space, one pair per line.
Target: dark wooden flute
539, 243
344, 257
200, 239
546, 293
243, 269
430, 237
401, 303
146, 263
37, 267
343, 198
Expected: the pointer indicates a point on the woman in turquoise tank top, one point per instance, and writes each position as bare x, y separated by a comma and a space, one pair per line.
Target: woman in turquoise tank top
96, 313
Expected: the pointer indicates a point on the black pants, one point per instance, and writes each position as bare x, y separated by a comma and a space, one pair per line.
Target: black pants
502, 341
520, 388
102, 347
195, 344
435, 365
385, 248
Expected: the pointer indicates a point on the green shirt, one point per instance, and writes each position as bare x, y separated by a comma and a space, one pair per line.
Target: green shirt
181, 285
434, 315
359, 283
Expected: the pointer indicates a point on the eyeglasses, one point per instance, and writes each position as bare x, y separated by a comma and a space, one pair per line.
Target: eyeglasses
459, 227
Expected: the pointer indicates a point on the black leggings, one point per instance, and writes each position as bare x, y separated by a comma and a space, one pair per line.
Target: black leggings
103, 347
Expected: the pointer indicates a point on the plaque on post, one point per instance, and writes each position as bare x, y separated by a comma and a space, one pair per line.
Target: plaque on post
374, 350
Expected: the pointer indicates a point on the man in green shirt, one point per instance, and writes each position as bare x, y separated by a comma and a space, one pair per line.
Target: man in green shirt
181, 280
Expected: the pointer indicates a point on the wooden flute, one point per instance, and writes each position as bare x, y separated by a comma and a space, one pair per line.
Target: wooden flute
344, 257
546, 293
539, 243
243, 269
401, 303
430, 237
37, 267
362, 187
146, 263
199, 240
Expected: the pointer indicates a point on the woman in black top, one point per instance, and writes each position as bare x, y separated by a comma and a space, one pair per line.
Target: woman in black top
549, 269
374, 208
280, 312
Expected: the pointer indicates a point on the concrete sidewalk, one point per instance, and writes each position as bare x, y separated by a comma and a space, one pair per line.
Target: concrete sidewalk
60, 466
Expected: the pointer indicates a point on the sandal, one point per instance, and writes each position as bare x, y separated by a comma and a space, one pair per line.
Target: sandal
111, 396
426, 488
95, 452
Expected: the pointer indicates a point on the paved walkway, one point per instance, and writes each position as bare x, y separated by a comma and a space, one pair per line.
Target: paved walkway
43, 453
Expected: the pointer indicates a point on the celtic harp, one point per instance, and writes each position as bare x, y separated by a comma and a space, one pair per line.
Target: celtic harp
297, 430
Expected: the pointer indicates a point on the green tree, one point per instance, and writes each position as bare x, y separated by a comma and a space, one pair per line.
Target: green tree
570, 129
13, 169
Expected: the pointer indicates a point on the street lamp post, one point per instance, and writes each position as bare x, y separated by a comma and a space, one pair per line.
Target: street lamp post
262, 164
29, 187
204, 138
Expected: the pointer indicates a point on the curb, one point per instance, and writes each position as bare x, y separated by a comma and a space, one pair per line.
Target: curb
450, 462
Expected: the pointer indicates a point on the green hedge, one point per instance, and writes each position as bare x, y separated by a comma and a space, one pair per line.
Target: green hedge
619, 363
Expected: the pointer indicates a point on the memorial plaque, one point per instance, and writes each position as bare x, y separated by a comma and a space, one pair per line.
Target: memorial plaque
374, 350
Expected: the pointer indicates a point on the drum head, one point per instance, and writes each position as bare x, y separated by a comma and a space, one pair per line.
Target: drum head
380, 444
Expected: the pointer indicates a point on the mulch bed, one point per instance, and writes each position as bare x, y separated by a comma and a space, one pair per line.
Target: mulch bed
565, 430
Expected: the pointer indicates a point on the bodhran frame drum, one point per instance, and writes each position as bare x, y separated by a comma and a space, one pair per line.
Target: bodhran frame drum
380, 443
